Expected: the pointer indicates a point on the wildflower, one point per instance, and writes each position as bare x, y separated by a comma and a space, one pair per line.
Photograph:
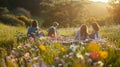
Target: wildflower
14, 59
26, 54
32, 49
103, 54
41, 64
71, 53
19, 47
93, 46
43, 38
66, 55
89, 60
42, 47
57, 59
60, 65
30, 60
100, 63
74, 47
8, 57
35, 58
78, 55
62, 49
87, 54
34, 65
95, 56
27, 45
31, 38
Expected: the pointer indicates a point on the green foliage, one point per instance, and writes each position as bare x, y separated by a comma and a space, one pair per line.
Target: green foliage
21, 11
7, 43
111, 33
68, 14
2, 53
2, 63
3, 10
7, 36
11, 20
40, 20
26, 20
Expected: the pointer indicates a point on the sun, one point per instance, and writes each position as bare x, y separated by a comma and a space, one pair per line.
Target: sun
100, 1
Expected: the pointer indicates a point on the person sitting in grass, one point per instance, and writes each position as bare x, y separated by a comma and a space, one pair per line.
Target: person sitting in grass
94, 34
82, 33
52, 31
34, 30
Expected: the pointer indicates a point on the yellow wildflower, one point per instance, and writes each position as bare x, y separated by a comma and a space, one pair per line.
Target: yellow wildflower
62, 49
93, 47
42, 47
103, 54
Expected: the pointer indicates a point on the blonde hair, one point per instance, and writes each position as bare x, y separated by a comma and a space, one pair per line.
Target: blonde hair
95, 26
55, 24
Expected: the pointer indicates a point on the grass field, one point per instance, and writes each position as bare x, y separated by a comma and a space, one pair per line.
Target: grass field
50, 52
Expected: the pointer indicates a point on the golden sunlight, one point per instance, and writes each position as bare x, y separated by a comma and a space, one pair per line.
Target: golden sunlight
100, 1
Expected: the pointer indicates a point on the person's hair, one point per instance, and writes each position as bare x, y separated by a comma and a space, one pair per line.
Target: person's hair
95, 26
55, 24
34, 23
84, 31
51, 32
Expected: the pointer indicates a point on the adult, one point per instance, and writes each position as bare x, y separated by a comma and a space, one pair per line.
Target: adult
82, 33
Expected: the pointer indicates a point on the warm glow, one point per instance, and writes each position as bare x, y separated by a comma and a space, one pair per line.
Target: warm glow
100, 1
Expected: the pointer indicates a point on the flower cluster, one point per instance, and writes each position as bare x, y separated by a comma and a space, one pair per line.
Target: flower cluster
46, 52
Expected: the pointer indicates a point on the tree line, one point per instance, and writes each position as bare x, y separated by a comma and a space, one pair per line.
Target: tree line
67, 12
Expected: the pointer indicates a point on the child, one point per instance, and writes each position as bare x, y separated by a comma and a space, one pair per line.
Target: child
52, 31
33, 31
82, 33
94, 34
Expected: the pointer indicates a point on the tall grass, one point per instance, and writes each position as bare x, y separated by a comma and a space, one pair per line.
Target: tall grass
111, 33
7, 36
8, 32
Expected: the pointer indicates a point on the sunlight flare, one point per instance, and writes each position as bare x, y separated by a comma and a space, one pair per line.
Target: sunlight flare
100, 1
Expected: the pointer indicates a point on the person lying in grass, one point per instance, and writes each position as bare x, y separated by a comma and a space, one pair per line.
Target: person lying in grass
82, 33
94, 34
52, 31
34, 30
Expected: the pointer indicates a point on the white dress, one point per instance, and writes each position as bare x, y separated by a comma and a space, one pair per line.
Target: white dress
77, 35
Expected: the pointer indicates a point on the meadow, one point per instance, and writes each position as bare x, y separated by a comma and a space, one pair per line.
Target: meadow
16, 50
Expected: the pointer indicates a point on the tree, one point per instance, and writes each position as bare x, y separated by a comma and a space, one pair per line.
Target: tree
4, 3
3, 10
67, 13
115, 10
